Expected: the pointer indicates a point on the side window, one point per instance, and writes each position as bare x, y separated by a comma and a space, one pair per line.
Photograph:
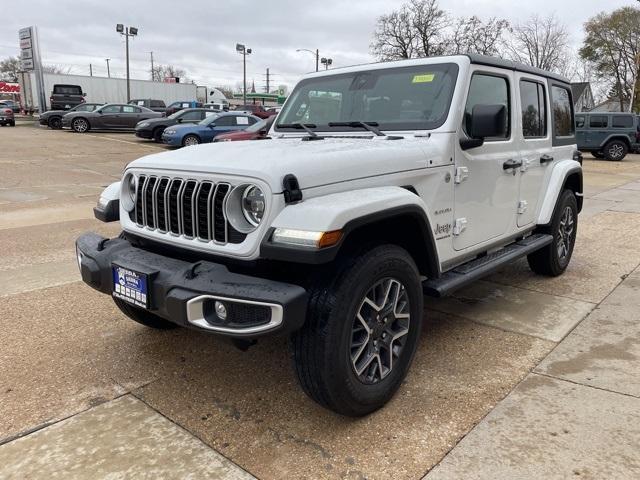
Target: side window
598, 121
252, 120
488, 89
562, 112
622, 121
111, 109
534, 109
130, 109
226, 121
579, 121
190, 116
242, 121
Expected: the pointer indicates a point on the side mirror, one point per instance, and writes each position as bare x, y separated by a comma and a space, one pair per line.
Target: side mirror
179, 120
486, 121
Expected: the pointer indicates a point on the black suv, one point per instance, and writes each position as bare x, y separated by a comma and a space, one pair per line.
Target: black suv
65, 97
155, 105
607, 135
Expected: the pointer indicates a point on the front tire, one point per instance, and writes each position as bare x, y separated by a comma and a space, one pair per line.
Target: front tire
553, 259
362, 330
190, 140
157, 135
80, 125
55, 123
143, 317
615, 150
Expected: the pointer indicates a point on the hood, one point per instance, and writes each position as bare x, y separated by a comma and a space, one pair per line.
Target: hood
314, 163
158, 120
81, 114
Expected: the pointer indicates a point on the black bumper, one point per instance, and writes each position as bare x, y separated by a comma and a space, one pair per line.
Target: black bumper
174, 283
148, 134
43, 121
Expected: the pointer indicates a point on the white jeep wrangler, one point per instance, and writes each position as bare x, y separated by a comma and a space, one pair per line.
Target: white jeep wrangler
380, 184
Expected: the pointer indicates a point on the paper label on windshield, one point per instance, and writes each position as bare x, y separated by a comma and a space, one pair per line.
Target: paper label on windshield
423, 78
242, 120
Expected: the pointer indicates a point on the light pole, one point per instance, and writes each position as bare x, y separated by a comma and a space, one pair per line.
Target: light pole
326, 62
316, 54
244, 51
108, 70
127, 32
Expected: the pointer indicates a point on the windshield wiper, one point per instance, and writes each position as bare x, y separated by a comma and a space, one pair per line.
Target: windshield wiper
371, 126
302, 126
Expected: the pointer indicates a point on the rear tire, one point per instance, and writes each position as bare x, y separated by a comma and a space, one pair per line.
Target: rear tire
553, 259
55, 123
12, 123
143, 317
615, 150
350, 356
190, 140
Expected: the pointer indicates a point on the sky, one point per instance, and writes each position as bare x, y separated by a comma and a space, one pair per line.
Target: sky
200, 36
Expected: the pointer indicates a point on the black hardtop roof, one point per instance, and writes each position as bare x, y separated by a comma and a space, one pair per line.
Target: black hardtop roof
510, 65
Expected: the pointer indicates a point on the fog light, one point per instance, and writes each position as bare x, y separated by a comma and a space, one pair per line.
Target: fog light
221, 310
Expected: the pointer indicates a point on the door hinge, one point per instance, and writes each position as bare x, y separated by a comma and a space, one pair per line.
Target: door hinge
525, 165
462, 173
522, 206
459, 226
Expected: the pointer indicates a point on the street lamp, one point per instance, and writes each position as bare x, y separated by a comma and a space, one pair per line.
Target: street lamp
244, 51
127, 32
316, 54
326, 62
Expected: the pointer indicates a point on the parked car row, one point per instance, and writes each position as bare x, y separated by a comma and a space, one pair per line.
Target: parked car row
6, 115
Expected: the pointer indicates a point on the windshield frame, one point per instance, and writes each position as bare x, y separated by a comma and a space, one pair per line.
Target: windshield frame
410, 125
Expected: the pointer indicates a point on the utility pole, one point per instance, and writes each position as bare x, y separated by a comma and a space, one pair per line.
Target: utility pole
127, 32
153, 72
316, 54
90, 70
317, 58
244, 51
108, 70
268, 89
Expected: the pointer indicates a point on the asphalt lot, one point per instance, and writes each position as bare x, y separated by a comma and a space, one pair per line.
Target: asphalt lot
102, 395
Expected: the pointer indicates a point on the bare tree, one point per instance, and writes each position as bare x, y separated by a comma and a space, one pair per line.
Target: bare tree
9, 68
56, 69
394, 37
612, 44
472, 35
541, 42
428, 21
160, 72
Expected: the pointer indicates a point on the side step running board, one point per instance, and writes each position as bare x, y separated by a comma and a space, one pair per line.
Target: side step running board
480, 267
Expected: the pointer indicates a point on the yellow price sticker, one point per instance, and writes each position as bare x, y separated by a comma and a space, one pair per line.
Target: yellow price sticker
424, 78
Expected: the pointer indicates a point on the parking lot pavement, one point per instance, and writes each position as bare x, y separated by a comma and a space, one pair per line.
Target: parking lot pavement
67, 349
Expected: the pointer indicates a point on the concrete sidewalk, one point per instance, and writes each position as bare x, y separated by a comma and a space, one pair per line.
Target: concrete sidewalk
577, 415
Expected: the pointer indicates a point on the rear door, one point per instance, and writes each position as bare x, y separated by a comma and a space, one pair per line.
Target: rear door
130, 116
535, 144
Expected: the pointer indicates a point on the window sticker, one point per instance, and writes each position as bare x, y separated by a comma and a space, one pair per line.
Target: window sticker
242, 120
423, 78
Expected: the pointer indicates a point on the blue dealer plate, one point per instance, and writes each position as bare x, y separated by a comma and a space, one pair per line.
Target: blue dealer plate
130, 286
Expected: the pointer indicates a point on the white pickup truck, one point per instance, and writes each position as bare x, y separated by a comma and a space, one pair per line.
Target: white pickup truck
380, 184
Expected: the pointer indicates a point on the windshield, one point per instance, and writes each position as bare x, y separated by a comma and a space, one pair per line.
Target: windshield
261, 125
177, 114
403, 98
209, 119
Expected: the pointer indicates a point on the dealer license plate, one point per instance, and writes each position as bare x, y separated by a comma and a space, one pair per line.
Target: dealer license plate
131, 286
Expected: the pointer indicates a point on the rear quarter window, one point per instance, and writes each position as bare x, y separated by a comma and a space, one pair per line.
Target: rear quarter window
562, 112
622, 121
67, 89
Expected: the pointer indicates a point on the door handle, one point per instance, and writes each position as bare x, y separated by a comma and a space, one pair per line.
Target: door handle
546, 158
511, 163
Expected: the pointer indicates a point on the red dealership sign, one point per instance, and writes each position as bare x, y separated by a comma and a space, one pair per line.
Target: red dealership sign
6, 87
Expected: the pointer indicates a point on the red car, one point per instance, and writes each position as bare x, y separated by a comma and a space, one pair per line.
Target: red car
256, 109
257, 131
6, 115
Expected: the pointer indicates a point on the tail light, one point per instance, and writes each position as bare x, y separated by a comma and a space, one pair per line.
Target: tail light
8, 110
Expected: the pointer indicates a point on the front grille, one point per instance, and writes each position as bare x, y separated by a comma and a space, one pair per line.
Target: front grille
184, 207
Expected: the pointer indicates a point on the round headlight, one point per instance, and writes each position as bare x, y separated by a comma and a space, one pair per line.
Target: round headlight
245, 206
128, 197
253, 205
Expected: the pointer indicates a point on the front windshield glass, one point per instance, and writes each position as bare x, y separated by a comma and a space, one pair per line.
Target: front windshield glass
175, 115
209, 119
402, 98
261, 125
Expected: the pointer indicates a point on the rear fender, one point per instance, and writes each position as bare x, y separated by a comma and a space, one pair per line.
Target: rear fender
562, 171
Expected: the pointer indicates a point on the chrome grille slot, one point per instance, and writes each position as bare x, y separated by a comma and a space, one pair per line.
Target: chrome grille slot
184, 207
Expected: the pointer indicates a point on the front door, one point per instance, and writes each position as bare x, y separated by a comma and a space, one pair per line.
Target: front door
110, 116
486, 189
534, 135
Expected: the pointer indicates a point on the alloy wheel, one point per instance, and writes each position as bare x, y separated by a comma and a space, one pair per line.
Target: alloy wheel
190, 140
379, 330
80, 125
565, 233
616, 151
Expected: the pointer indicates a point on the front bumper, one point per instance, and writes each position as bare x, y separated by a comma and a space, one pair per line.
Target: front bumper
147, 134
43, 121
172, 139
184, 292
